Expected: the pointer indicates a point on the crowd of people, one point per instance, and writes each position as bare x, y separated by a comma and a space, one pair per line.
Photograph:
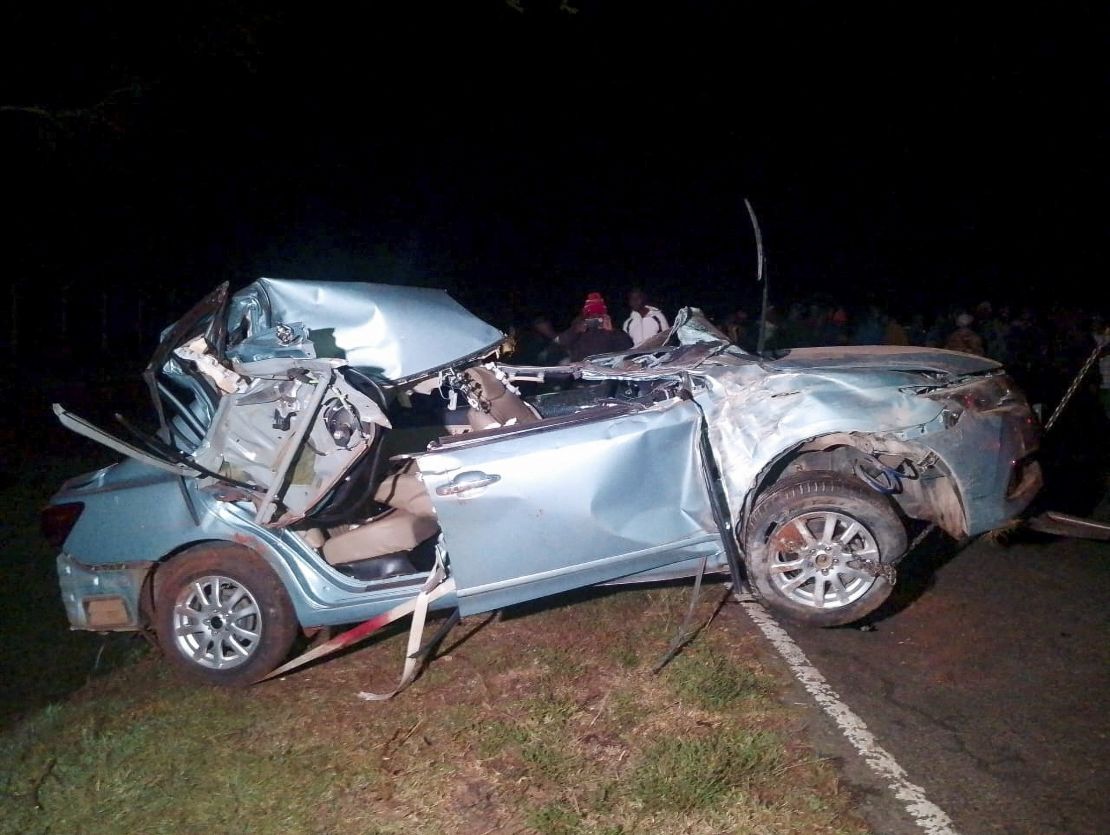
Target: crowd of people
592, 331
1043, 350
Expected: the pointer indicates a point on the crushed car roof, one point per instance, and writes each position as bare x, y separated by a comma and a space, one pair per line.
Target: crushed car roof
393, 333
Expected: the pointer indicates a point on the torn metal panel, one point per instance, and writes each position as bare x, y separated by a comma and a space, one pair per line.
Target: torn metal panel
692, 326
911, 474
197, 351
390, 332
650, 365
82, 427
206, 318
989, 455
294, 430
287, 340
1062, 524
754, 416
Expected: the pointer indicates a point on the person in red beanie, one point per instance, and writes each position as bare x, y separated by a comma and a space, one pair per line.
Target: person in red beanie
593, 332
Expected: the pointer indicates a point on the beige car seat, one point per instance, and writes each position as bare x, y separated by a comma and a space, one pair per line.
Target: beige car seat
410, 520
504, 405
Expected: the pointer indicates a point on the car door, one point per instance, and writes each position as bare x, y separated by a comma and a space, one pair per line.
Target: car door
568, 502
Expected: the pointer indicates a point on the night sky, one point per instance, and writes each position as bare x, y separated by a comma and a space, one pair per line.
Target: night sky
914, 154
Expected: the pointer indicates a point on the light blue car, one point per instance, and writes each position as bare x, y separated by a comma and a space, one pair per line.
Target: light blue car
332, 453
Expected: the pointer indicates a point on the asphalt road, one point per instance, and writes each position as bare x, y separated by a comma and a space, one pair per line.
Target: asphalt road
988, 680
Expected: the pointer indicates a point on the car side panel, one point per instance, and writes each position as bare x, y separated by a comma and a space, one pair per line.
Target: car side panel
581, 504
135, 516
132, 513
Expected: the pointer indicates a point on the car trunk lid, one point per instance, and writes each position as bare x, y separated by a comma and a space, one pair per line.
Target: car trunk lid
952, 364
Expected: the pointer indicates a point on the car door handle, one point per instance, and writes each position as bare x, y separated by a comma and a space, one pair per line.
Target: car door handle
470, 480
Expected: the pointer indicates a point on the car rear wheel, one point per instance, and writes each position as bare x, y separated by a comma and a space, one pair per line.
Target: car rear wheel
815, 545
222, 615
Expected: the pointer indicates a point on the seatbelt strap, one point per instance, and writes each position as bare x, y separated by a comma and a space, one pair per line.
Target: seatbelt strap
413, 655
436, 586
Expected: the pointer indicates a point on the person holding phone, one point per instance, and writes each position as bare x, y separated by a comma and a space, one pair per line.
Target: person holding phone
592, 332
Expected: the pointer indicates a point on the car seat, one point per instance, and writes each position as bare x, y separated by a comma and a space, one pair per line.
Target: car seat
408, 520
504, 405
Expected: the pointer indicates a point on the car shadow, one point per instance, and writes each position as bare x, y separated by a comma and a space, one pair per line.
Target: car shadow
467, 630
916, 576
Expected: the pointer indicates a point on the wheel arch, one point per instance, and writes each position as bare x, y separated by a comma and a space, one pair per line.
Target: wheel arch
270, 612
932, 497
152, 580
196, 545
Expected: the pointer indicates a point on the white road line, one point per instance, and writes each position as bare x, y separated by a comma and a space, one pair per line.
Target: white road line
925, 813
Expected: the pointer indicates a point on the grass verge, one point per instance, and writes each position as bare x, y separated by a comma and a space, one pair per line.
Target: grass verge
546, 720
533, 723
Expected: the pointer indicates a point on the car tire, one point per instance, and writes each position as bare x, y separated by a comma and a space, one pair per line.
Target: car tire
800, 537
222, 615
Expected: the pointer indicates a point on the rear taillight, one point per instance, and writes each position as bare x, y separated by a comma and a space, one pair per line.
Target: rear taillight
57, 520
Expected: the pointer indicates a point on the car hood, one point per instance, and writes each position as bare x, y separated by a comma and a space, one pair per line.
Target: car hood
884, 357
395, 334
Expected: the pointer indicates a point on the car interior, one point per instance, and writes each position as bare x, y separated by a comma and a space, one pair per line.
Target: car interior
378, 521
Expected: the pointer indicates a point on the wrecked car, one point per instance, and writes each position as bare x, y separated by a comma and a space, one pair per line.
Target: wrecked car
333, 453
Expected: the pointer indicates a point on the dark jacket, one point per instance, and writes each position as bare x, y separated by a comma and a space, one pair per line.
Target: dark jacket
586, 343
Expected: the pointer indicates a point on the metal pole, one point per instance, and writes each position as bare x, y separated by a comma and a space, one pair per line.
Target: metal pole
759, 276
762, 321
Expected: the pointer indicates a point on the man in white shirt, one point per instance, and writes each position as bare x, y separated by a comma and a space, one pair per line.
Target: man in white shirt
645, 321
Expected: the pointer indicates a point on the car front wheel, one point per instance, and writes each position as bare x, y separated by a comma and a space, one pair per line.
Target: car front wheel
816, 547
223, 615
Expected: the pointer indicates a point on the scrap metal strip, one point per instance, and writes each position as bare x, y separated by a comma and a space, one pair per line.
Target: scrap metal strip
436, 586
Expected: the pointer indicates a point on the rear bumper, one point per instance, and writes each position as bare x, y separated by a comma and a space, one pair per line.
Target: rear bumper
103, 599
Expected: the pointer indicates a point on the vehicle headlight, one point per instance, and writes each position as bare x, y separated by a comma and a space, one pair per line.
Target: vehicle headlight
981, 395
